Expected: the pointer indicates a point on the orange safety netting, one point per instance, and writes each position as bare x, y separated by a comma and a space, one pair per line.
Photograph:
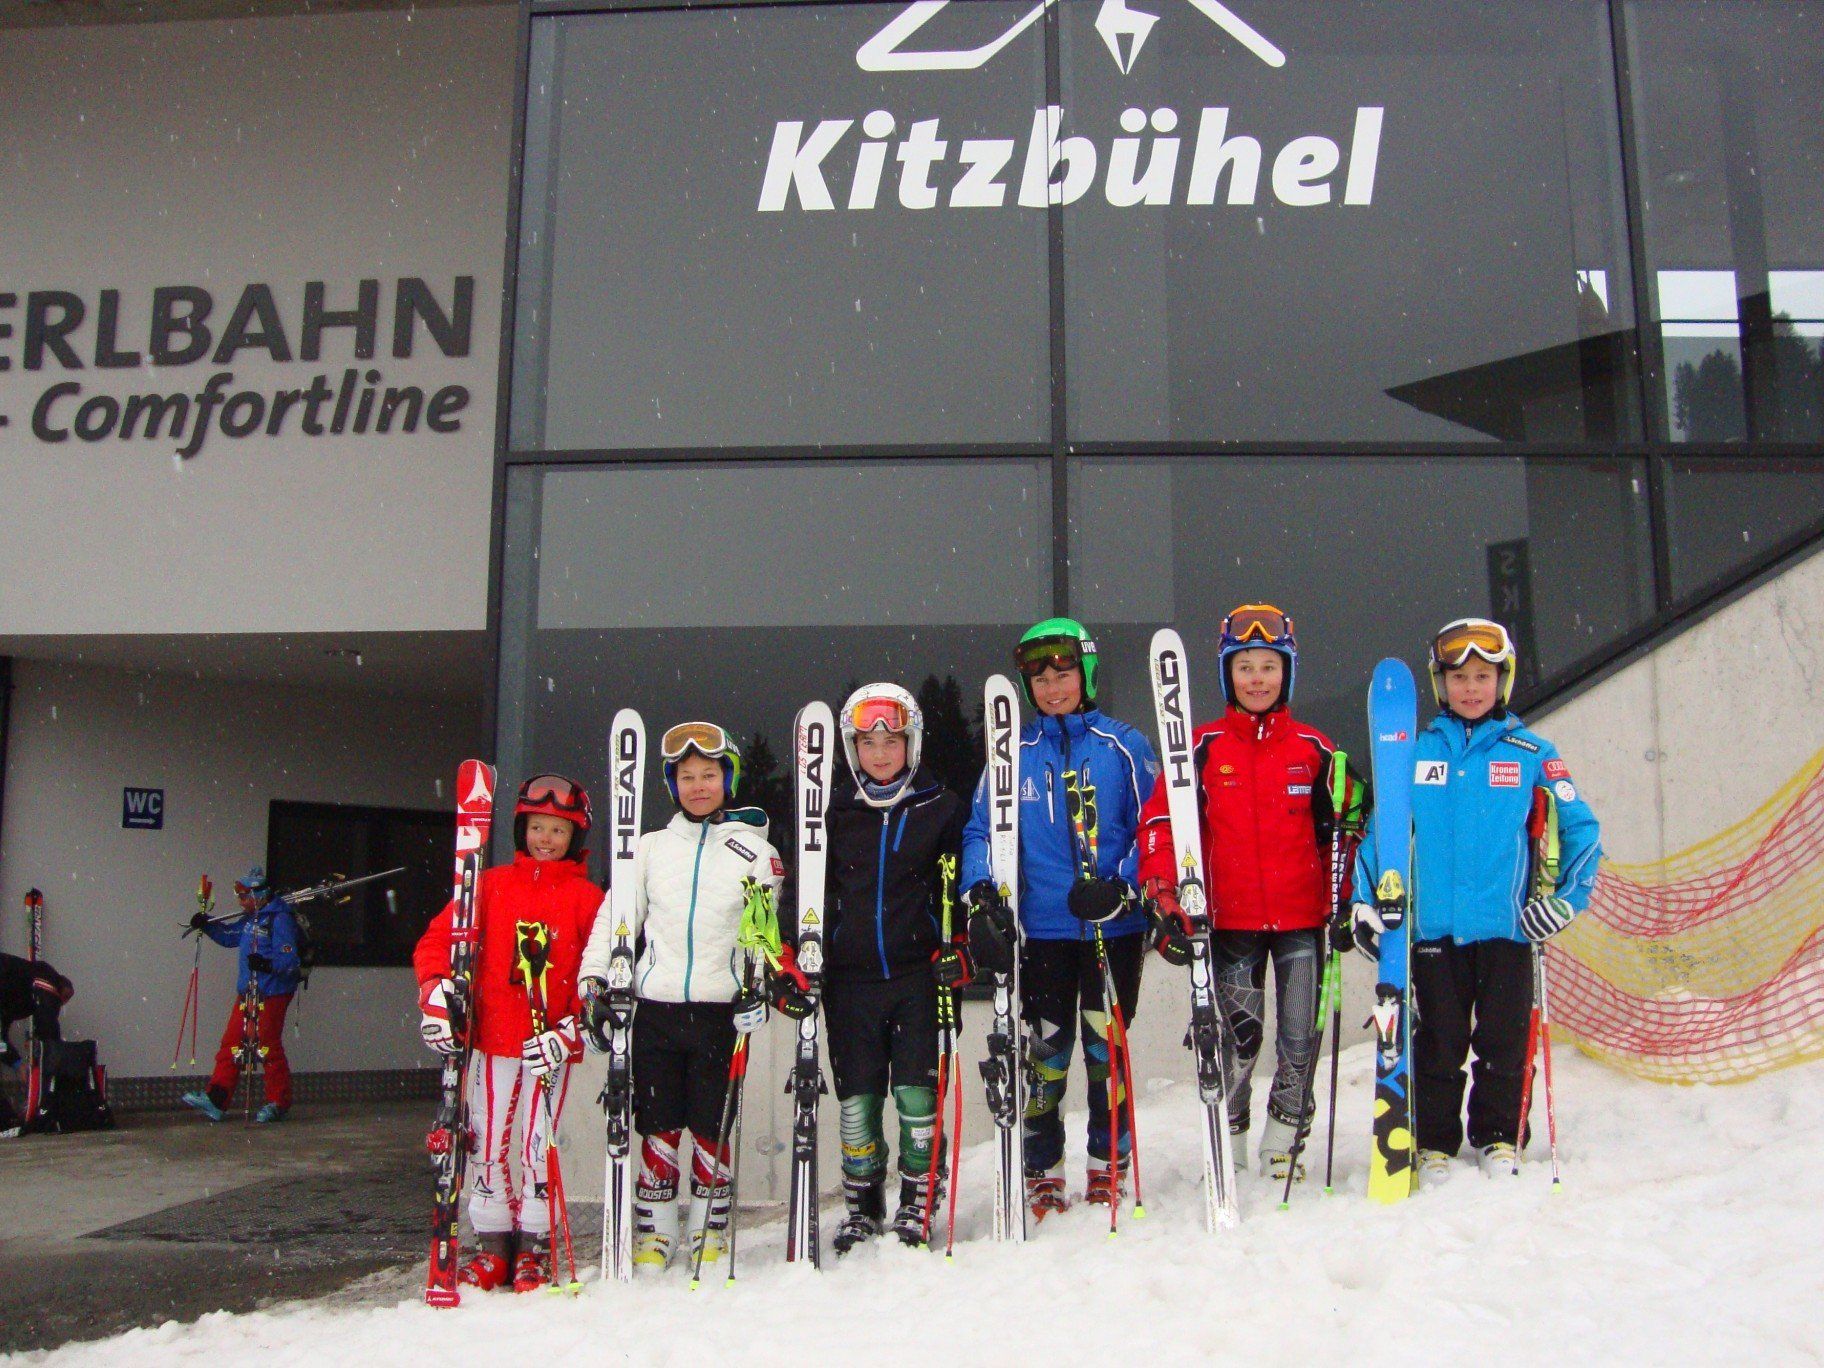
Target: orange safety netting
1709, 966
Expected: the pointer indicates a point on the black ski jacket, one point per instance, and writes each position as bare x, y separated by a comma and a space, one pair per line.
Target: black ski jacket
882, 885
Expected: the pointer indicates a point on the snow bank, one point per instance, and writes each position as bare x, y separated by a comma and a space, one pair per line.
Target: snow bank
1687, 1230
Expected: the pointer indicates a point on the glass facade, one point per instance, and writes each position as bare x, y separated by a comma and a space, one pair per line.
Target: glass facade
850, 338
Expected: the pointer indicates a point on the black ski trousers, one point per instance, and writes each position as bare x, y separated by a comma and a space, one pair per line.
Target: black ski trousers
1060, 983
1470, 997
681, 1052
882, 1031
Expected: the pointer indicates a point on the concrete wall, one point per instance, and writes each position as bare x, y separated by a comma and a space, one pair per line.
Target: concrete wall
276, 152
1695, 736
116, 899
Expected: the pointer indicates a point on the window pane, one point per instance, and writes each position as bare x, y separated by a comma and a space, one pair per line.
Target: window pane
1732, 172
1379, 219
1369, 556
739, 592
1723, 514
733, 234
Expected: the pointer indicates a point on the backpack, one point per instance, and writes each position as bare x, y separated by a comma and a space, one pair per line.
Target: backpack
74, 1088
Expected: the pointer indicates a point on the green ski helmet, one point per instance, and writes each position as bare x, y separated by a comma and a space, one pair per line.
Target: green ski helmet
1054, 639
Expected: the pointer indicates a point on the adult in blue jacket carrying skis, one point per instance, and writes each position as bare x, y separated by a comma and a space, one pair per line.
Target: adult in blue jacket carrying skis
1476, 768
266, 935
1061, 908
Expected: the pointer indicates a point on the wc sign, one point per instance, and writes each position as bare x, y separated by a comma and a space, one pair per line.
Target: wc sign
142, 809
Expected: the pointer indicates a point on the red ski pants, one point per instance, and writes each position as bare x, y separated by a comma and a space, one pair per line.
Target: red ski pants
273, 1065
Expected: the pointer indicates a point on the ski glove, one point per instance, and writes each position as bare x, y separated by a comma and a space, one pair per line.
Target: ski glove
434, 1022
1099, 900
1543, 918
603, 1008
259, 963
198, 920
549, 1050
1171, 928
789, 988
749, 1010
1368, 921
992, 934
952, 965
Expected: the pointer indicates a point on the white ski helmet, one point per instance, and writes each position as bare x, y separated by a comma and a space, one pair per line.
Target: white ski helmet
889, 708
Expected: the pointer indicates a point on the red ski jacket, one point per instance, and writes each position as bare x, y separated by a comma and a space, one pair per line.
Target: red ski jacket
1264, 808
555, 892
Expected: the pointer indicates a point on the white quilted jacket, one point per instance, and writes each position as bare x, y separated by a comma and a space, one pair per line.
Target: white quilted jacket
688, 901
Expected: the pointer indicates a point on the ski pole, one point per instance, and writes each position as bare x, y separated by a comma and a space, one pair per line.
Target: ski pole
949, 1064
533, 945
188, 1016
737, 1071
1545, 1046
1542, 829
734, 1174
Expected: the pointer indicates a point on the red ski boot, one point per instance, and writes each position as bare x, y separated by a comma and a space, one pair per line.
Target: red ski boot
489, 1268
532, 1269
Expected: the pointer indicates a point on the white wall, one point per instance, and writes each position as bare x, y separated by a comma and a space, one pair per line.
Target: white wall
117, 899
279, 150
1695, 736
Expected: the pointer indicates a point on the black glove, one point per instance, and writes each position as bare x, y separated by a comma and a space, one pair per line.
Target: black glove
749, 1011
603, 1008
992, 934
198, 920
1099, 900
791, 991
1171, 929
1342, 933
259, 963
952, 965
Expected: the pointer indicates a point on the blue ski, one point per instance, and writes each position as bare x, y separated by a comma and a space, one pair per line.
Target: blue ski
1393, 724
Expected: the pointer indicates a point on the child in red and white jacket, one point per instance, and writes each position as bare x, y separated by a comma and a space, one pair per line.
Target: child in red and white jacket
547, 885
1263, 797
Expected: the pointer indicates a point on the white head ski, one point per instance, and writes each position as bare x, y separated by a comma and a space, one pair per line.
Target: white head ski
626, 803
1170, 673
815, 734
1005, 1068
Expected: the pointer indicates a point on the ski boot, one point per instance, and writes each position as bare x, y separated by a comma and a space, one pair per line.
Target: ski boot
1276, 1141
1045, 1193
708, 1222
1238, 1147
269, 1113
1104, 1187
491, 1263
1497, 1160
655, 1231
909, 1220
532, 1269
205, 1104
867, 1209
1434, 1167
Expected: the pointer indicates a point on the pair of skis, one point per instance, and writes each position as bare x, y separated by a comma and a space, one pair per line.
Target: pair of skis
34, 1067
814, 732
448, 1141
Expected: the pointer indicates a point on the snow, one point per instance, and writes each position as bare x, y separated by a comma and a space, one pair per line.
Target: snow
1687, 1230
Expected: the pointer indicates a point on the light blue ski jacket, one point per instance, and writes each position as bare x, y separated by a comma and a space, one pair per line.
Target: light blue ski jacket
1472, 792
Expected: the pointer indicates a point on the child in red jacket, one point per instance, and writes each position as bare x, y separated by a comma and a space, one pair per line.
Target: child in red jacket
1264, 808
545, 886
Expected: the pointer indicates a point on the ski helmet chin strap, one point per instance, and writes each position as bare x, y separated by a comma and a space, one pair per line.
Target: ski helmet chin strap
879, 795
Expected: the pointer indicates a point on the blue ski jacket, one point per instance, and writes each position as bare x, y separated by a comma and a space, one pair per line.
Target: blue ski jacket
273, 932
1472, 860
1114, 758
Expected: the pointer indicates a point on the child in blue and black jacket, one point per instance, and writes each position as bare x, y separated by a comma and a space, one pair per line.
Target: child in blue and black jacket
1478, 916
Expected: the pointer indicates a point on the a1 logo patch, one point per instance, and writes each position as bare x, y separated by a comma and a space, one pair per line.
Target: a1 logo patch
1431, 772
1504, 774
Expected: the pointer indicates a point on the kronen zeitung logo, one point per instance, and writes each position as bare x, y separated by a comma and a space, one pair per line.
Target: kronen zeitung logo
1147, 164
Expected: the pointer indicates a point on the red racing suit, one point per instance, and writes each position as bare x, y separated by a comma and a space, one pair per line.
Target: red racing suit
555, 892
1264, 810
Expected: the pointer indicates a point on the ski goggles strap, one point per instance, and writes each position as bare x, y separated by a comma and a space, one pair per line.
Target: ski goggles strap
879, 714
1475, 636
1260, 622
706, 738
